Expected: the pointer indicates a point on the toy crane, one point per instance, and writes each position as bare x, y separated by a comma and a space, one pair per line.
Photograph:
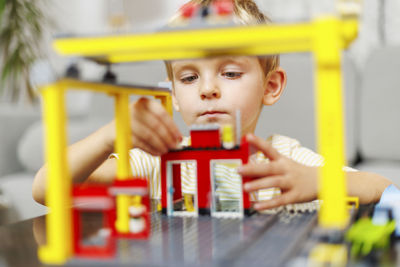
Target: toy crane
130, 203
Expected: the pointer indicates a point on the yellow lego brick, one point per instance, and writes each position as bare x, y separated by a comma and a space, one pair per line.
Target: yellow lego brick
58, 199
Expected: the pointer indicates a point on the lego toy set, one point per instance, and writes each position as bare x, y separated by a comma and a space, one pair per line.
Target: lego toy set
205, 153
125, 206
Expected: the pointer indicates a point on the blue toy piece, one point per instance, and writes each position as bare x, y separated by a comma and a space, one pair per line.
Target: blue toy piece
390, 200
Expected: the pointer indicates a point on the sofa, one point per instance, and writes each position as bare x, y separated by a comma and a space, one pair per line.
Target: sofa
379, 108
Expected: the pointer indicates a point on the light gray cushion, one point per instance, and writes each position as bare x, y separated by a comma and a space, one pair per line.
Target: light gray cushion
293, 115
380, 105
14, 121
30, 148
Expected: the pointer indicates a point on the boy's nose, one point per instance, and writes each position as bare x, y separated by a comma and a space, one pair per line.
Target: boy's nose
209, 92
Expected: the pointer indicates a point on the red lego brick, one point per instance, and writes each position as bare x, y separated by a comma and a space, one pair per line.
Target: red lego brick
205, 136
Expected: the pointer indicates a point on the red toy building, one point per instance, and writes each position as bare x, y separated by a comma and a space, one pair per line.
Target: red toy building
93, 199
102, 199
205, 151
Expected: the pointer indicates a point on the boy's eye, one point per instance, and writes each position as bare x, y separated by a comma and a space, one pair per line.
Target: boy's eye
232, 74
189, 79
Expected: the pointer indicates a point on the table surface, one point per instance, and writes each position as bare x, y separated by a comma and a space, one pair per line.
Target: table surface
281, 239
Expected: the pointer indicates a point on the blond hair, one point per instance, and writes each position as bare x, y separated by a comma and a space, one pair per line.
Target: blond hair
246, 13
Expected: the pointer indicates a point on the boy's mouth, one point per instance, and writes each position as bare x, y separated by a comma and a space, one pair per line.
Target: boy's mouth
212, 113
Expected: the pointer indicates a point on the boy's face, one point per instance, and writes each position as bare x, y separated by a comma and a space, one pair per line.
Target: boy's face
211, 90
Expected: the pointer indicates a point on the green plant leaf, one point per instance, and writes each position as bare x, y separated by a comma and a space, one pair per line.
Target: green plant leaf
21, 31
2, 7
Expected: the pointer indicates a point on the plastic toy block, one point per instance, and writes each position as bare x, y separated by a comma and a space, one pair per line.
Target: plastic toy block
138, 208
366, 236
227, 136
352, 202
93, 198
81, 191
326, 254
389, 201
203, 136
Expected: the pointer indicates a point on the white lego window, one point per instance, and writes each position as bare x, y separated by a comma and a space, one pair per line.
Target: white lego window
182, 196
227, 190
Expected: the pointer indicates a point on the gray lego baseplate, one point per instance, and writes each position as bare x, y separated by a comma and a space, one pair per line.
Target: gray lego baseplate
284, 237
262, 239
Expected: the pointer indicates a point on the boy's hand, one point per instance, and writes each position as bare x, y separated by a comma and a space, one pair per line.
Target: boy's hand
297, 182
153, 129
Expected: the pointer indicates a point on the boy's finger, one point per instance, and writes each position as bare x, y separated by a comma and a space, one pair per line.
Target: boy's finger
158, 129
163, 116
257, 170
264, 146
144, 135
152, 122
275, 202
264, 183
145, 107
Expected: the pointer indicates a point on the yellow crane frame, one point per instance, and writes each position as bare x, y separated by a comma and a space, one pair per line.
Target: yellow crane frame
325, 37
58, 194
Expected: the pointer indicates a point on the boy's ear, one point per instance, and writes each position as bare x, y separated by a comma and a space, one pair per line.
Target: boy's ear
274, 85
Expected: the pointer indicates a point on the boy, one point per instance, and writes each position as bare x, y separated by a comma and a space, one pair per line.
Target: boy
210, 91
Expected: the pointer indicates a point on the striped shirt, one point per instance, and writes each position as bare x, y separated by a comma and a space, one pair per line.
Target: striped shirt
227, 181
